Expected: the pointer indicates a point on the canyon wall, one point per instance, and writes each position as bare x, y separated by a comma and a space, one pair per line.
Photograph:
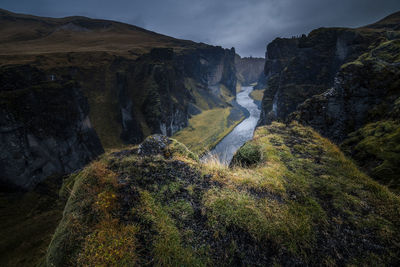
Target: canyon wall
249, 69
345, 84
63, 103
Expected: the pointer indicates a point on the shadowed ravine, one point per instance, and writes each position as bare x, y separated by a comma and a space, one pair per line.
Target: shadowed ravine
225, 149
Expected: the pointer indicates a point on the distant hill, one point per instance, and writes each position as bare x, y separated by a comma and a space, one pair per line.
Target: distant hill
26, 34
391, 22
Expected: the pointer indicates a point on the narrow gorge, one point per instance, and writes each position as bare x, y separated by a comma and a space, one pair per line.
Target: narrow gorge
120, 146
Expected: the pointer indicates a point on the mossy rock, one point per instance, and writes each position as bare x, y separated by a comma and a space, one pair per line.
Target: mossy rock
376, 149
302, 203
167, 147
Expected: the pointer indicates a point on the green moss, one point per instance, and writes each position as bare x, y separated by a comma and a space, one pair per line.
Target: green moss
270, 220
305, 202
87, 206
313, 188
167, 248
388, 51
380, 55
376, 148
180, 149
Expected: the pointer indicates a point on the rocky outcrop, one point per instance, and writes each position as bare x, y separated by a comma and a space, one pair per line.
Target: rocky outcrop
45, 129
300, 67
361, 111
249, 69
290, 206
345, 84
364, 91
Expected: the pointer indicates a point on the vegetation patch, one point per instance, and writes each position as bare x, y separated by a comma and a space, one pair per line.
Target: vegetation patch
312, 197
257, 94
206, 129
304, 203
248, 154
376, 148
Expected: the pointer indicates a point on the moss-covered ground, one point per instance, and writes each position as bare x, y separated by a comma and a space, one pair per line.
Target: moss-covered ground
376, 148
300, 201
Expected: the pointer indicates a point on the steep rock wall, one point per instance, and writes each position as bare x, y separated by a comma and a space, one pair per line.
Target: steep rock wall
249, 69
119, 99
45, 129
298, 68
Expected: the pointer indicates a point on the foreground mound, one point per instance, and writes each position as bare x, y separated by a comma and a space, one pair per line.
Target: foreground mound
299, 201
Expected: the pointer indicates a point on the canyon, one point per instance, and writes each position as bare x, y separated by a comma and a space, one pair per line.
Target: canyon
104, 127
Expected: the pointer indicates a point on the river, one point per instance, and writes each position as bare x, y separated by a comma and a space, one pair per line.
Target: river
243, 132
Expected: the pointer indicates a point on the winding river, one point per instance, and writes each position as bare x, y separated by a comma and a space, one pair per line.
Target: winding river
243, 132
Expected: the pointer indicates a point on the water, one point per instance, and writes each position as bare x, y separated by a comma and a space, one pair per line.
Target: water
275, 104
243, 132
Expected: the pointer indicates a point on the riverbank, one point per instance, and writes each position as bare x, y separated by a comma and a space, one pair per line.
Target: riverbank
243, 132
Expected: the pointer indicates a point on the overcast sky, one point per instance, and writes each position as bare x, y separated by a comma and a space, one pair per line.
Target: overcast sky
247, 25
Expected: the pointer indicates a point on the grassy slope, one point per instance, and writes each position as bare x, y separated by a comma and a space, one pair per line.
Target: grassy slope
30, 35
208, 128
376, 148
257, 94
205, 129
301, 202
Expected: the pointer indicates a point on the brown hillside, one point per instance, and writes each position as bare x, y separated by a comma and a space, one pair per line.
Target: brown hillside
26, 34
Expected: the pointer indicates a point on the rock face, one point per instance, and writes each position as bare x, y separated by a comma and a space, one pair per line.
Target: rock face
153, 145
299, 68
302, 67
45, 129
156, 93
249, 69
345, 84
364, 91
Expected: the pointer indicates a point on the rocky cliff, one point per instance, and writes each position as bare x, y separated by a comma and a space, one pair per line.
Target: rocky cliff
364, 90
361, 110
119, 82
45, 127
249, 69
338, 81
301, 67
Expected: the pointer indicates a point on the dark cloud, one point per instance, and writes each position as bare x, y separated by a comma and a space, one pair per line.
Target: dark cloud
247, 25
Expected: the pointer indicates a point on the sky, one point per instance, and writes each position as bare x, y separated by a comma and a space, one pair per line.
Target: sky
247, 25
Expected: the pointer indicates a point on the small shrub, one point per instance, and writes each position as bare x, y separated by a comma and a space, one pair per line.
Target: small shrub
249, 154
